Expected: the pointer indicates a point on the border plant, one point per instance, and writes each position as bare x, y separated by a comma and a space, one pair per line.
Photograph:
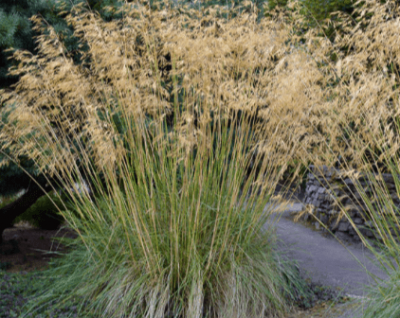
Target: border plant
177, 228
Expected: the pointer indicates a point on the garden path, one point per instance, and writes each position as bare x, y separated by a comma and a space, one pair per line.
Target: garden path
325, 260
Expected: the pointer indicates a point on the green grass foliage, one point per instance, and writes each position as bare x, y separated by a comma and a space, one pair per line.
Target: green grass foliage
177, 229
184, 124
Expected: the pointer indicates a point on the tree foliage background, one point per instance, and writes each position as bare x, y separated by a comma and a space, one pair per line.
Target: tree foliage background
16, 34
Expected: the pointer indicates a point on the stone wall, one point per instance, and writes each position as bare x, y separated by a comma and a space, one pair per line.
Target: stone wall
325, 206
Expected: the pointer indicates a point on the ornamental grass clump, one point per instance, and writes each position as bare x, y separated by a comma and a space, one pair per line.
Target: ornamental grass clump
162, 121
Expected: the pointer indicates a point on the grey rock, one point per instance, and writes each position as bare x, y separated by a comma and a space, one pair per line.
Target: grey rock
343, 237
324, 219
352, 232
369, 233
332, 212
313, 188
320, 195
333, 226
321, 190
343, 226
348, 181
358, 221
369, 224
316, 202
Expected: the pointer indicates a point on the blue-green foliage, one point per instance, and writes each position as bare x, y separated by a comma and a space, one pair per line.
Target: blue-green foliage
16, 28
16, 32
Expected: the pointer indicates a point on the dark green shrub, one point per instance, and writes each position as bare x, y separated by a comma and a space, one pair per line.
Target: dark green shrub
5, 265
44, 214
6, 200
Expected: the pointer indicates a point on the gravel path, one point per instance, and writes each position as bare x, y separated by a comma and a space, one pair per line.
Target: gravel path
323, 259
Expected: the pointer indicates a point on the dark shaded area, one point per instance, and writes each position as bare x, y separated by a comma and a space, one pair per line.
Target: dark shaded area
26, 249
19, 206
23, 255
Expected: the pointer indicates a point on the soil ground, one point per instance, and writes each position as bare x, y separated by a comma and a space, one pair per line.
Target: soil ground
24, 248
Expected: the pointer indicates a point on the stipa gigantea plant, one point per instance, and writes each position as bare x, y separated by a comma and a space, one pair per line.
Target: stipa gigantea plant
176, 228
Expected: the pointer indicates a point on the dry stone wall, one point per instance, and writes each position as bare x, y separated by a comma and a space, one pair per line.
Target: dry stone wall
324, 201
